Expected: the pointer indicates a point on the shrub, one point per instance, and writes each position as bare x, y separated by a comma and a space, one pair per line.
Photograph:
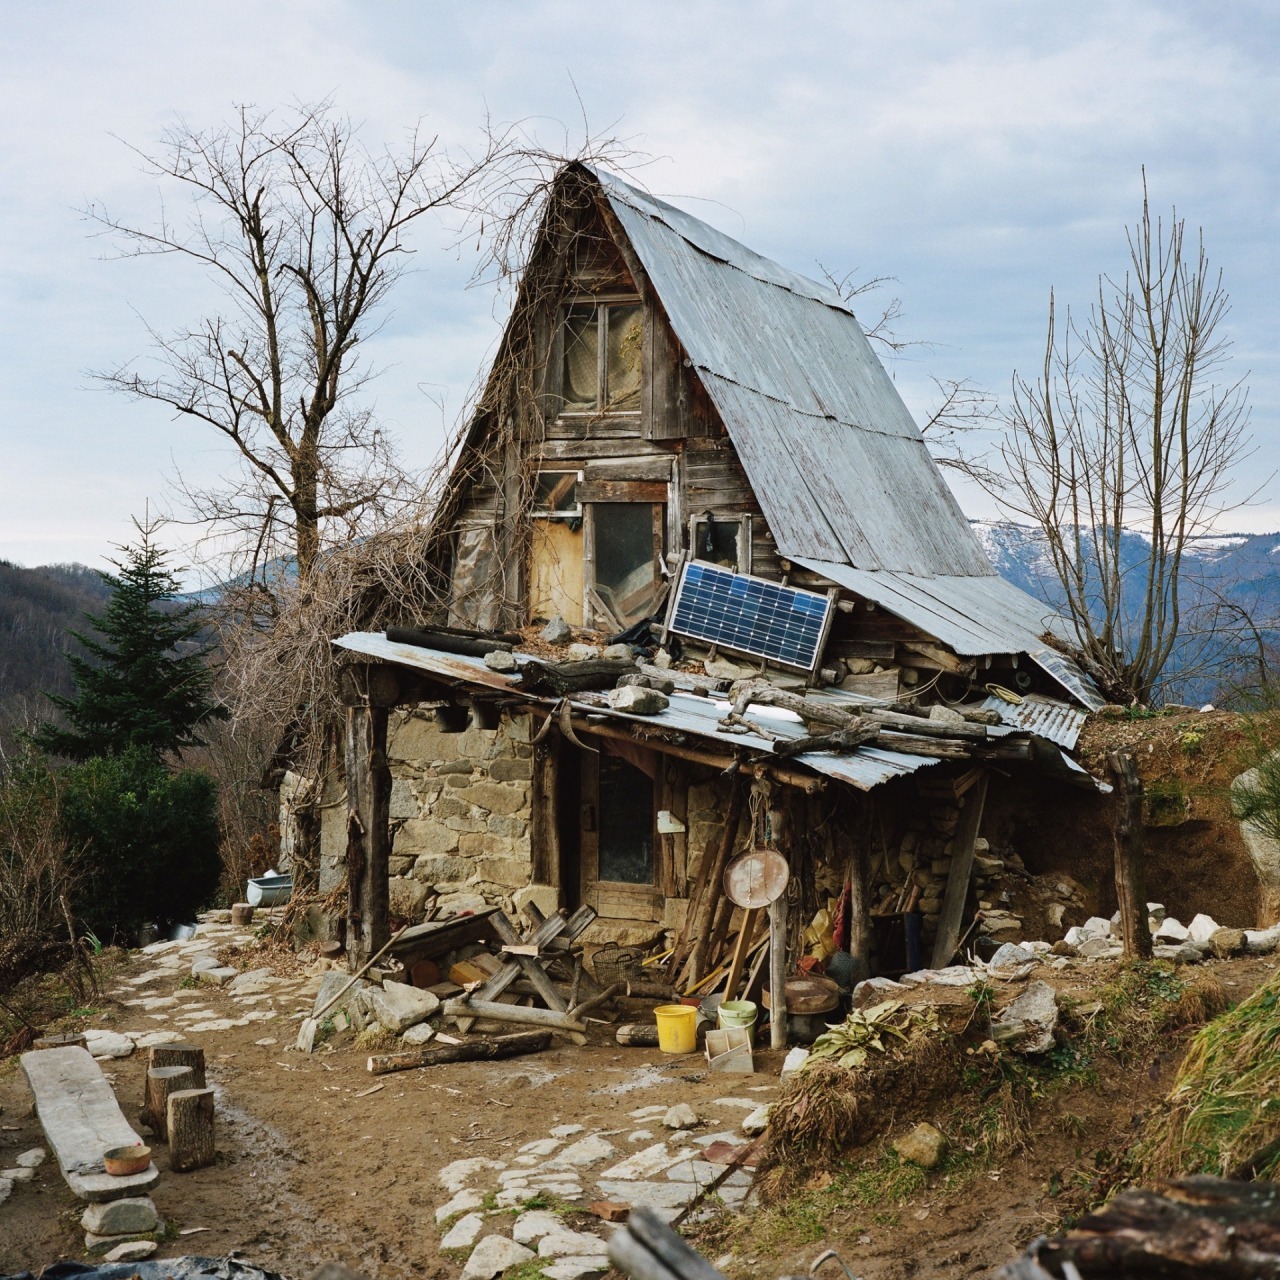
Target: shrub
149, 840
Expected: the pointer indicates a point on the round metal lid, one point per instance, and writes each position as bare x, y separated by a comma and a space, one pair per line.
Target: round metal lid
756, 878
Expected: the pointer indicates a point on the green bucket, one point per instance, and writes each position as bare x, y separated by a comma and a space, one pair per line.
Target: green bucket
737, 1013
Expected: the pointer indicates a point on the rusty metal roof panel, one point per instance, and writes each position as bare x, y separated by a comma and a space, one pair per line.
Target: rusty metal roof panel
832, 453
1060, 722
455, 667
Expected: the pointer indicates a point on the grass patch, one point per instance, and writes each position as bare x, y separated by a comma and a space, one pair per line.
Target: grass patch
534, 1269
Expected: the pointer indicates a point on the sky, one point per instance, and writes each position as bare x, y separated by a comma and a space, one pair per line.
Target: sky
978, 152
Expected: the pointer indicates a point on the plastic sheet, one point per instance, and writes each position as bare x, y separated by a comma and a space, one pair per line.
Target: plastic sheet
153, 1269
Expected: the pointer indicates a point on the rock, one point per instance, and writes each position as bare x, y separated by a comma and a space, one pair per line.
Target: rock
924, 1146
500, 660
494, 1254
1262, 941
557, 631
796, 1058
418, 1034
1171, 931
1074, 936
218, 977
407, 898
132, 1251
533, 1224
564, 1243
253, 982
109, 1044
1053, 914
758, 1121
617, 653
32, 1159
1009, 955
455, 904
1099, 948
1227, 942
722, 669
945, 715
1156, 912
6, 1187
578, 1267
582, 652
203, 961
872, 989
464, 1233
466, 1200
569, 1130
1182, 953
1030, 1019
1202, 928
1096, 927
954, 975
18, 1175
681, 1116
453, 1177
638, 702
398, 1006
331, 984
545, 897
131, 1216
584, 1152
1062, 948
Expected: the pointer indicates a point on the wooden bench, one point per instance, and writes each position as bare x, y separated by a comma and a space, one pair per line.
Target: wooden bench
82, 1119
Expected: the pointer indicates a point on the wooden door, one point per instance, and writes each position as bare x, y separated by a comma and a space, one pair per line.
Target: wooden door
619, 873
555, 570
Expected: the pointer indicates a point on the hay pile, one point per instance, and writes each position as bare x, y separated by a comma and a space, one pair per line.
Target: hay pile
1223, 1113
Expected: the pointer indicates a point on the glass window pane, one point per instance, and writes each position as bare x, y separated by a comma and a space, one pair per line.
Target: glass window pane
626, 336
581, 359
555, 491
627, 574
718, 542
626, 822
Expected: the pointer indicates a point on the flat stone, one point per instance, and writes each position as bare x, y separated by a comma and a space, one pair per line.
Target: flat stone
577, 1268
1182, 953
418, 1034
655, 1195
205, 960
637, 701
641, 1113
758, 1121
1099, 948
1009, 955
492, 1256
81, 1119
582, 652
697, 1172
640, 1135
131, 1216
251, 983
464, 1233
107, 1044
217, 977
1202, 928
794, 1062
31, 1159
398, 1006
466, 1200
924, 1146
645, 1164
219, 1024
746, 1104
18, 1175
584, 1152
533, 1224
1036, 1011
954, 975
542, 1147
453, 1177
564, 1243
681, 1116
132, 1251
149, 1038
332, 983
557, 631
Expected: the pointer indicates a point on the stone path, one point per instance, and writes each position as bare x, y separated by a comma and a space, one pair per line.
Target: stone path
573, 1166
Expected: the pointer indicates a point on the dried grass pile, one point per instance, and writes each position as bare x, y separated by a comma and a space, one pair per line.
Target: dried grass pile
1223, 1113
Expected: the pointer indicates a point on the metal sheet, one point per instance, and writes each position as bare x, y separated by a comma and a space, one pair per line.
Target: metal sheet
455, 667
1060, 722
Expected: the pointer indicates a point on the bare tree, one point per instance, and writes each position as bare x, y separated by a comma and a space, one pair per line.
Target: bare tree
1130, 427
304, 231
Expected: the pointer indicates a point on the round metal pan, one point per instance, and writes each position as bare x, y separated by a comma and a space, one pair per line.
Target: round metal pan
756, 878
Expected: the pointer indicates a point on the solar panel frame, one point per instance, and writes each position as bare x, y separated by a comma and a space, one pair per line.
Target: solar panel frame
750, 615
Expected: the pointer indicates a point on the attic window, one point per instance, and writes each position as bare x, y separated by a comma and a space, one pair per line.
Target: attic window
555, 495
602, 348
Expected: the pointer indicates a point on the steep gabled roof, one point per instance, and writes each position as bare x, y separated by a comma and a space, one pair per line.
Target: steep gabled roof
838, 465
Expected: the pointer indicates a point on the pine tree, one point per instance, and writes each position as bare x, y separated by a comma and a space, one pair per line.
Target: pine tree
141, 693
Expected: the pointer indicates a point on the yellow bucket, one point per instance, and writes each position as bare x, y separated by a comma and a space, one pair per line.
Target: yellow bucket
677, 1028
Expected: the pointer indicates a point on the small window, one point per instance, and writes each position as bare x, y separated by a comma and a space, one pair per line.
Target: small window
555, 495
725, 541
603, 344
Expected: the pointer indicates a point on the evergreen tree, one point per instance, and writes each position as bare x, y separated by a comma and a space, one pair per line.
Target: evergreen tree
142, 694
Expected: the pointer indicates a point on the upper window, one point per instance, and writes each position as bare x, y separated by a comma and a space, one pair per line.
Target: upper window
602, 349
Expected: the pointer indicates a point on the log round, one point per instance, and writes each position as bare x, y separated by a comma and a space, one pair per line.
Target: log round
161, 1082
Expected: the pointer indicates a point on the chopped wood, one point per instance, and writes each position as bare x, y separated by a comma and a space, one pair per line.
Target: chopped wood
445, 642
189, 1123
161, 1082
638, 1035
373, 1088
933, 657
925, 727
841, 740
609, 993
512, 1013
477, 1050
957, 891
745, 692
1131, 889
561, 678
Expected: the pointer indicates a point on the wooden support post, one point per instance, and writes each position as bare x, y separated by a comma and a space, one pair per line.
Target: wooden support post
161, 1082
778, 973
189, 1120
948, 939
368, 691
859, 911
698, 929
1131, 878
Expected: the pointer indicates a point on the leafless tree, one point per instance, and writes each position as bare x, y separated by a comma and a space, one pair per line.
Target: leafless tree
304, 230
1130, 427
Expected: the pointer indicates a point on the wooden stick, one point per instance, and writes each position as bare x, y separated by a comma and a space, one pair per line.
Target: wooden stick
486, 1049
713, 888
578, 1010
355, 977
749, 919
512, 1013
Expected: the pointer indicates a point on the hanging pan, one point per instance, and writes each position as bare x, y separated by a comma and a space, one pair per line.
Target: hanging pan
756, 878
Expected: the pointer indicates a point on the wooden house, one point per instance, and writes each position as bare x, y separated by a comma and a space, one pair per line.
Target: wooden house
672, 417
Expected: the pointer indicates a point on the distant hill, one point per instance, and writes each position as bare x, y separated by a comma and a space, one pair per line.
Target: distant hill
39, 608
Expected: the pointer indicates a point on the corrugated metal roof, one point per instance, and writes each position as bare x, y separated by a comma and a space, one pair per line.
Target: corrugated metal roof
866, 768
1060, 722
835, 460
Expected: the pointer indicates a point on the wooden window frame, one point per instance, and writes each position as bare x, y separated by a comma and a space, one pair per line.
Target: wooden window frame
635, 491
602, 303
744, 536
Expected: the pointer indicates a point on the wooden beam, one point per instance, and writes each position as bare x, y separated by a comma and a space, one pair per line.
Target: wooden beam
1131, 880
368, 831
948, 939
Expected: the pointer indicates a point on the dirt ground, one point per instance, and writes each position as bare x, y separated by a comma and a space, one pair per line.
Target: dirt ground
308, 1171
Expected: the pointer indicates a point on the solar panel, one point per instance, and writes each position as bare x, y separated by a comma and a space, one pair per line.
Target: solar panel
750, 615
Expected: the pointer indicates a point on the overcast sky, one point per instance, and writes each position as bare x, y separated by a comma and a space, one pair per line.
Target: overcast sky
978, 152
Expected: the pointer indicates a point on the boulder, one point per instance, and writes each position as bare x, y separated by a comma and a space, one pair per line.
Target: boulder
1099, 948
464, 1233
398, 1006
758, 1121
1009, 955
494, 1254
500, 660
1262, 941
1202, 928
1028, 1022
924, 1146
1227, 942
1171, 931
681, 1116
617, 653
582, 652
407, 898
638, 702
1096, 927
1180, 953
1074, 936
131, 1216
557, 632
331, 984
108, 1044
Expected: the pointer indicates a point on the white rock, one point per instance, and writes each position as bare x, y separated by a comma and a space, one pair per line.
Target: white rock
532, 1225
642, 1113
542, 1147
216, 977
1096, 927
568, 1130
1037, 1010
565, 1244
640, 1135
1262, 941
148, 1038
681, 1116
492, 1256
646, 1163
130, 1216
793, 1062
464, 1233
398, 1006
638, 701
954, 975
758, 1121
1171, 930
1100, 948
466, 1200
418, 1034
585, 1151
1202, 928
577, 1268
1156, 911
132, 1251
205, 960
252, 982
107, 1044
1009, 955
18, 1175
32, 1159
453, 1177
582, 652
1074, 936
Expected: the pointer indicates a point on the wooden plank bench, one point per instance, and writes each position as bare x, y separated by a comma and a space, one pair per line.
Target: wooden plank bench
82, 1119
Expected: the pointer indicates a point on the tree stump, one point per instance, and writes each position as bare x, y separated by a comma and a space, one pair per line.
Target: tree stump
189, 1120
241, 914
161, 1082
180, 1055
